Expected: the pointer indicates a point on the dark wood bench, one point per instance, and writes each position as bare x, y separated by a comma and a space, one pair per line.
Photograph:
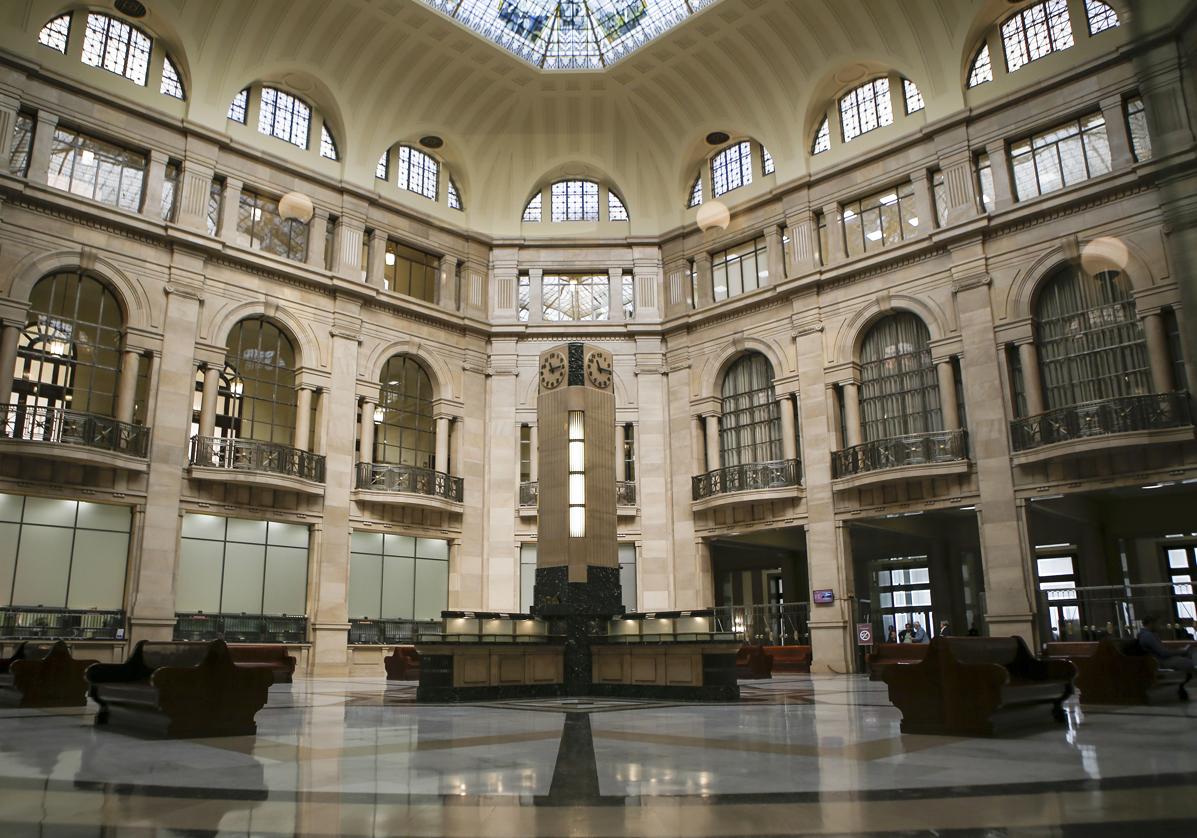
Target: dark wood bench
403, 664
1116, 671
271, 656
43, 675
180, 691
790, 658
886, 654
753, 662
974, 686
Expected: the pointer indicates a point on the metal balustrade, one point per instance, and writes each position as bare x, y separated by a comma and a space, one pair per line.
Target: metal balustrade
529, 494
28, 623
1101, 418
771, 625
36, 423
253, 455
625, 493
241, 628
898, 451
388, 631
748, 477
382, 477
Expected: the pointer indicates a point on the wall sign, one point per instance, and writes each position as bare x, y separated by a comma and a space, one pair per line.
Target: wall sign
824, 597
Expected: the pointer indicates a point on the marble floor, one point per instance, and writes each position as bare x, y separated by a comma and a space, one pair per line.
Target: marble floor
800, 755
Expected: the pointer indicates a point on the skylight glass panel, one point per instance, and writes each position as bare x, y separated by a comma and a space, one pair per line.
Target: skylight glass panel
171, 84
731, 168
418, 172
328, 146
982, 70
616, 211
55, 33
454, 196
1101, 16
238, 106
532, 211
822, 137
575, 200
1035, 32
570, 34
117, 47
766, 161
282, 115
914, 99
696, 192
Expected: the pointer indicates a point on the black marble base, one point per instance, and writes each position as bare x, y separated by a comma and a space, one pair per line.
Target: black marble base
448, 695
600, 595
664, 693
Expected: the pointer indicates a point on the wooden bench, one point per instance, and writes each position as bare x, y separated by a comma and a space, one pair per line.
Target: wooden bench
180, 691
753, 662
43, 675
790, 658
1115, 671
973, 686
886, 654
403, 664
271, 656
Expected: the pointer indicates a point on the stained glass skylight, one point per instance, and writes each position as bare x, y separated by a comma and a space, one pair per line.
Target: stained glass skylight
570, 34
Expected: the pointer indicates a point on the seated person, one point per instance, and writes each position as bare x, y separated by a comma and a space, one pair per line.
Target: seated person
1150, 643
919, 634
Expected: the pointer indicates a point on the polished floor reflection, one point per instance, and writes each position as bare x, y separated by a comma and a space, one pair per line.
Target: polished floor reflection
799, 755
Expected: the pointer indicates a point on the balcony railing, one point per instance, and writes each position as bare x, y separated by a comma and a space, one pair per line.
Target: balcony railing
68, 427
18, 623
625, 493
529, 494
389, 631
898, 451
1109, 416
381, 477
252, 455
241, 628
749, 477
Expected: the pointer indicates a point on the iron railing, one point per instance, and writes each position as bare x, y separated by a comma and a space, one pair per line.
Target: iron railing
17, 623
388, 632
625, 493
748, 477
1100, 418
909, 450
241, 628
787, 624
529, 494
382, 477
1094, 612
68, 427
253, 455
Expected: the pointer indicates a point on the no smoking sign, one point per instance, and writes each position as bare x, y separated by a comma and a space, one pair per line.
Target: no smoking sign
864, 634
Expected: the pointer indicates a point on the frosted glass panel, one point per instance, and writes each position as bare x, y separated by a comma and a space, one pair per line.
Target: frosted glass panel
103, 516
432, 548
98, 570
365, 583
397, 586
527, 554
286, 580
288, 535
9, 533
203, 526
432, 589
366, 542
399, 545
242, 588
527, 585
42, 578
198, 585
10, 507
252, 532
47, 511
627, 581
577, 488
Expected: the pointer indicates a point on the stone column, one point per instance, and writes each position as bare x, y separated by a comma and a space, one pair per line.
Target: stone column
647, 283
317, 233
697, 449
500, 570
1157, 352
229, 210
504, 280
712, 435
446, 294
615, 295
621, 439
852, 434
924, 202
195, 185
365, 448
303, 417
10, 335
126, 393
1117, 132
151, 196
347, 246
376, 259
789, 439
999, 167
211, 392
947, 395
803, 248
39, 153
834, 220
1028, 358
775, 254
455, 425
535, 295
321, 397
706, 288
441, 463
534, 446
9, 107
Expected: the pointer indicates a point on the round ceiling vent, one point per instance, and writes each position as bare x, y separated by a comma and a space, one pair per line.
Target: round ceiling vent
717, 138
130, 8
431, 141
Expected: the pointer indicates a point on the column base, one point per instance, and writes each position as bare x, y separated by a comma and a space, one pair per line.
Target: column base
831, 651
329, 656
1006, 625
157, 629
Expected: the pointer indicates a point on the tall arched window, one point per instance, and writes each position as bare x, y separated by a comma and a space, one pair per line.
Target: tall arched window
1091, 344
899, 393
260, 374
405, 430
68, 357
750, 428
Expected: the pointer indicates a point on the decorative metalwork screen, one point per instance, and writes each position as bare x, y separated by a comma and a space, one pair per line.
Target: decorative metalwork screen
750, 430
899, 393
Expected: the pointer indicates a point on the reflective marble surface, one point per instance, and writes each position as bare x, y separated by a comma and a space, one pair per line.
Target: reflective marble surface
798, 755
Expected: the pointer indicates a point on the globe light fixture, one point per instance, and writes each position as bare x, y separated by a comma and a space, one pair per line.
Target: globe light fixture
713, 215
295, 206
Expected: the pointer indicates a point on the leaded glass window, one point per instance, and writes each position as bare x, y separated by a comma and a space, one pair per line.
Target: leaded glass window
1136, 121
171, 85
982, 68
1091, 344
576, 296
418, 172
575, 200
523, 297
55, 33
97, 170
822, 141
22, 141
117, 47
767, 166
328, 146
239, 105
382, 169
260, 226
899, 392
695, 192
215, 204
261, 363
410, 271
914, 98
750, 425
616, 211
985, 191
731, 168
866, 108
1101, 16
740, 269
1063, 156
880, 220
1036, 31
285, 117
404, 426
939, 190
532, 210
454, 196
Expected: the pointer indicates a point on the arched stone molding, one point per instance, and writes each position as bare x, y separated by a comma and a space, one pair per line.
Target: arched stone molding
854, 329
307, 345
711, 378
1020, 297
443, 384
132, 296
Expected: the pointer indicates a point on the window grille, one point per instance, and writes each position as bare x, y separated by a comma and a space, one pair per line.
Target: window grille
914, 98
1101, 17
532, 210
328, 146
117, 47
899, 392
616, 211
982, 69
866, 108
238, 107
261, 361
96, 169
1062, 156
404, 426
260, 226
171, 85
750, 425
731, 168
880, 220
1035, 32
55, 33
1136, 121
575, 200
285, 117
695, 193
822, 141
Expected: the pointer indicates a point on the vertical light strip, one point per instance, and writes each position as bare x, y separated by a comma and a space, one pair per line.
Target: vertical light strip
577, 474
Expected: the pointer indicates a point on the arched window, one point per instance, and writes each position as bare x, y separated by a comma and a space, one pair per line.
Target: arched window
575, 200
899, 393
260, 366
532, 212
1101, 17
405, 430
913, 96
750, 427
283, 116
418, 172
114, 45
328, 146
454, 196
865, 108
822, 141
1091, 345
731, 168
1036, 31
616, 211
695, 192
68, 356
55, 33
171, 85
981, 70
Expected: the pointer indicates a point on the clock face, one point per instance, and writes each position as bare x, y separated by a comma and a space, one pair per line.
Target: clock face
598, 370
552, 370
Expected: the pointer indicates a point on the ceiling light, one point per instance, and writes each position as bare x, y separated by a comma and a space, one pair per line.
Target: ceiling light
717, 138
297, 207
873, 236
713, 215
431, 141
130, 8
